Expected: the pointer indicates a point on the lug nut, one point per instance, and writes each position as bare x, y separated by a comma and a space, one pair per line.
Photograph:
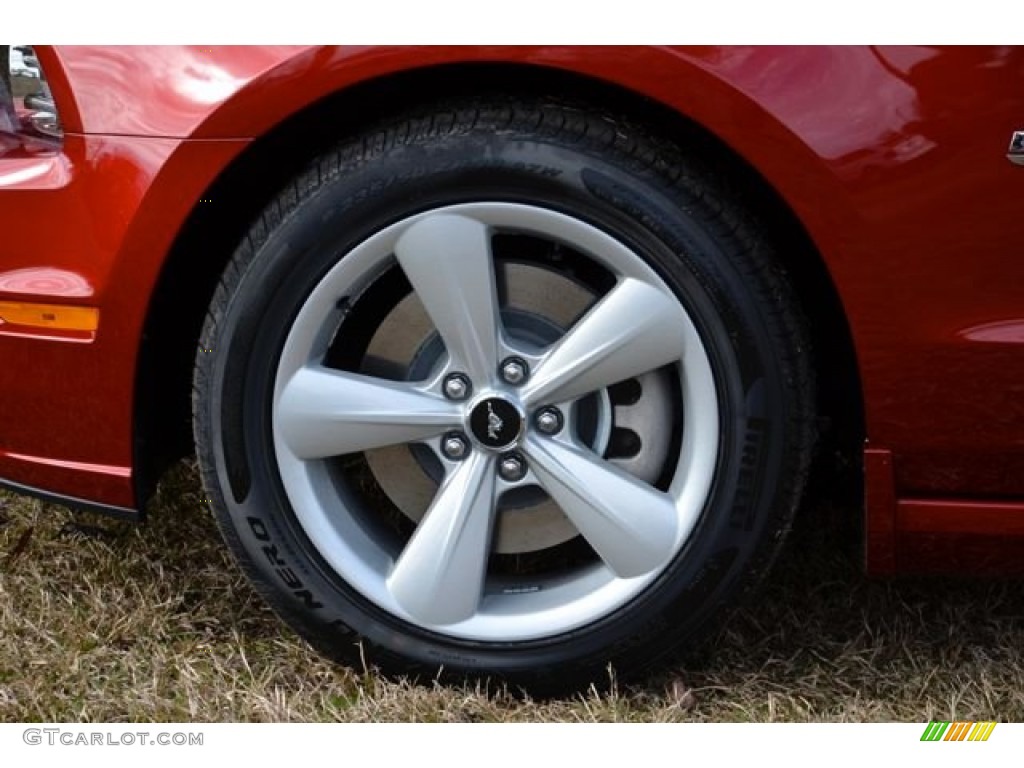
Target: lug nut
549, 421
514, 370
457, 386
512, 467
454, 446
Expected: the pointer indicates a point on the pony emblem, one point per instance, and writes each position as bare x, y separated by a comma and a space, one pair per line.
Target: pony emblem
494, 424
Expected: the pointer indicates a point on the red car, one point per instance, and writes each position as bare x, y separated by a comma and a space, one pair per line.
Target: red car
513, 362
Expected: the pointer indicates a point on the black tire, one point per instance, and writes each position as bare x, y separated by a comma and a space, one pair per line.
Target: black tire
599, 168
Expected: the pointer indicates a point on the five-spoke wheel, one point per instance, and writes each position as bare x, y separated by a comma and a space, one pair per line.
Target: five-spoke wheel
501, 414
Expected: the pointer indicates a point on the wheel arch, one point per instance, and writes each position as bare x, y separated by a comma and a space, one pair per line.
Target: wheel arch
189, 274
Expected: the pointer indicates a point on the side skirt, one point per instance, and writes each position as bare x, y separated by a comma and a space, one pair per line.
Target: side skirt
123, 513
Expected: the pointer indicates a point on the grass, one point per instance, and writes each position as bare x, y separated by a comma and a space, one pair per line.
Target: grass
101, 620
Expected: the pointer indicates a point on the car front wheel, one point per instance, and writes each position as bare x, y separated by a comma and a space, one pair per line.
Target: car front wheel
504, 388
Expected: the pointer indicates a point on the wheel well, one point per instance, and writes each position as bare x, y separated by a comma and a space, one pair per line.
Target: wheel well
211, 233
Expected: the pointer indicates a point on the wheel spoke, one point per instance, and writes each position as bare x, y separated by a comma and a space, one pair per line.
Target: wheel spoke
630, 525
323, 412
634, 329
439, 577
448, 261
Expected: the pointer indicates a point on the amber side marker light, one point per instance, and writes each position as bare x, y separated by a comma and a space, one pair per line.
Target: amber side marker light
52, 316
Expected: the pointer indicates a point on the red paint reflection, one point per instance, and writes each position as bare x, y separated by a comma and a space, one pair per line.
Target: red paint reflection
45, 281
1008, 332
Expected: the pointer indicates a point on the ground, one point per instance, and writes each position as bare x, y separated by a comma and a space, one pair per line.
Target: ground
108, 621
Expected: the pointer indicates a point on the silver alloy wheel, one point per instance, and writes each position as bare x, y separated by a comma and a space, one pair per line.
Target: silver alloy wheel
439, 579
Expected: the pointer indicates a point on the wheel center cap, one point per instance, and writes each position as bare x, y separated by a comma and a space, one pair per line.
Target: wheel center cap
495, 422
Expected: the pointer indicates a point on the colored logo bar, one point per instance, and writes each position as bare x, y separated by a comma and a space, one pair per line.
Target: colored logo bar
938, 730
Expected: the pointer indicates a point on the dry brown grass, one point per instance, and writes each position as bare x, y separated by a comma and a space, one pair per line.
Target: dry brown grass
110, 621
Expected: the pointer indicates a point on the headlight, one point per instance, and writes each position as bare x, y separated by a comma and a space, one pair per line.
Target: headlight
28, 116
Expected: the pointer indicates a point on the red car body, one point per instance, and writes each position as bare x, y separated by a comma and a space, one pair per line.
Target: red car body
892, 161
